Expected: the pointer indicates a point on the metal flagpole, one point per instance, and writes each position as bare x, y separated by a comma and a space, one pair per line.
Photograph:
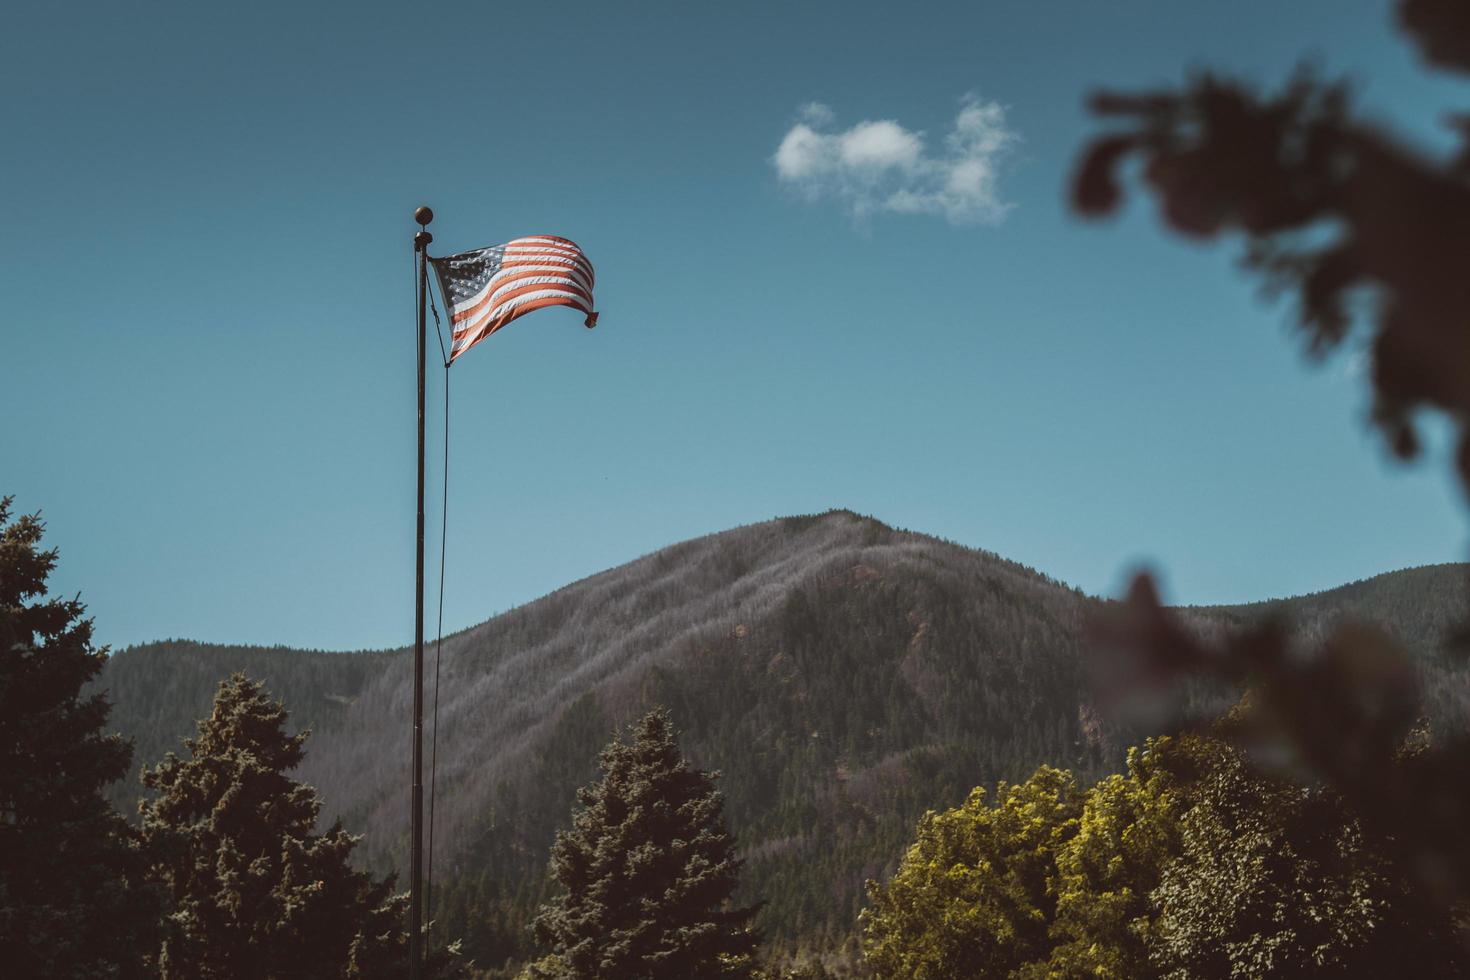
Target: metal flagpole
415, 927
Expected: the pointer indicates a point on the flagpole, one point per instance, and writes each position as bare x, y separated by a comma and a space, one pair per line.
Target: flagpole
421, 242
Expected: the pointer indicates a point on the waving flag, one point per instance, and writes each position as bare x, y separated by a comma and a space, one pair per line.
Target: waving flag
489, 287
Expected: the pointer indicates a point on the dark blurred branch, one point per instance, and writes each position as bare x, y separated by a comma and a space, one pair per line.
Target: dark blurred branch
1441, 28
1329, 207
1296, 166
1344, 714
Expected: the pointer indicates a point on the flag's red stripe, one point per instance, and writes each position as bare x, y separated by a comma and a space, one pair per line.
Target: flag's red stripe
570, 261
491, 326
539, 304
564, 286
501, 308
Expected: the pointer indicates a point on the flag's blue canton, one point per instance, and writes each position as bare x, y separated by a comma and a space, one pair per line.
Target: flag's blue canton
464, 275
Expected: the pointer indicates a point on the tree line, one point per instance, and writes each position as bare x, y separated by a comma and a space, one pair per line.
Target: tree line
227, 876
1194, 862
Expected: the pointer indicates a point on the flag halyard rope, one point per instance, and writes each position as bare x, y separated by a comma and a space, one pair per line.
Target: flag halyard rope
563, 277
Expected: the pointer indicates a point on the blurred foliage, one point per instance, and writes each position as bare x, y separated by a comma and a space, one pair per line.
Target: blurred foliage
1333, 209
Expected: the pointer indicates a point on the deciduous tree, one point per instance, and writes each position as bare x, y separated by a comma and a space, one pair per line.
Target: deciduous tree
1127, 834
972, 896
1277, 879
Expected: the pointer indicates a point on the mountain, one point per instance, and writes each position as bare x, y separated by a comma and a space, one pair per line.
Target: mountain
843, 675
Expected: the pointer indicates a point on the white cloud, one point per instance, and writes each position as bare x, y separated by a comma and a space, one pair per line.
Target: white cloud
801, 153
816, 114
878, 146
878, 165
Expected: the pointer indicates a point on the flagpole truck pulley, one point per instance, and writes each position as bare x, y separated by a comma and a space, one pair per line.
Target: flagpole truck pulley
415, 915
483, 290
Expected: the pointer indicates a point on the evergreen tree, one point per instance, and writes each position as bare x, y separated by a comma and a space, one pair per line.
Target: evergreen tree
648, 869
257, 893
73, 900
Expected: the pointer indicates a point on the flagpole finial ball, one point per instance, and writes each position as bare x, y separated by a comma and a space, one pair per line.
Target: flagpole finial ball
423, 215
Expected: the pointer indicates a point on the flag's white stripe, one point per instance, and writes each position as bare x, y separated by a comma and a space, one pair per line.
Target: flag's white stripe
511, 304
545, 253
570, 273
539, 240
543, 240
489, 316
540, 243
557, 250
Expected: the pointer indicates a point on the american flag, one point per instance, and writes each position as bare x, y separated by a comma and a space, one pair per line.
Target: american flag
489, 287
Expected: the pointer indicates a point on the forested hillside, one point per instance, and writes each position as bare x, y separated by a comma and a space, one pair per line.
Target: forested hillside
160, 690
844, 676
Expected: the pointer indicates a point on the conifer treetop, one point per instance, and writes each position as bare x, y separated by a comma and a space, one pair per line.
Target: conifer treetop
648, 869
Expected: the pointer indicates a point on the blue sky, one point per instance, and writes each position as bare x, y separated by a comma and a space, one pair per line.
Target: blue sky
208, 335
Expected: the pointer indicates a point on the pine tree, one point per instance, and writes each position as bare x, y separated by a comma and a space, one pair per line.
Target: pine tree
257, 893
73, 900
648, 869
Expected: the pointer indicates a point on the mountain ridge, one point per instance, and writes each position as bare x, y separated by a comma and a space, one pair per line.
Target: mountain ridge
844, 675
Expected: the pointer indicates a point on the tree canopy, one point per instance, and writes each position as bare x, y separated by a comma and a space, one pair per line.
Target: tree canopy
1106, 873
256, 891
1189, 865
973, 895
